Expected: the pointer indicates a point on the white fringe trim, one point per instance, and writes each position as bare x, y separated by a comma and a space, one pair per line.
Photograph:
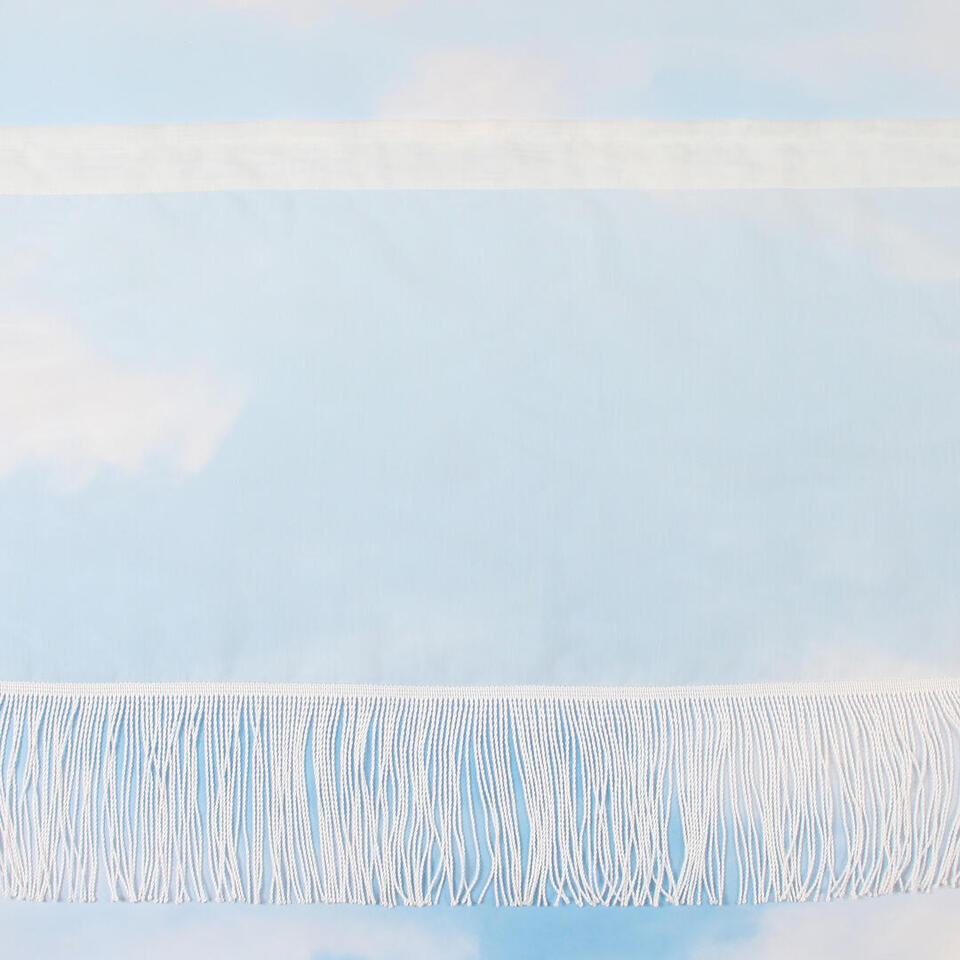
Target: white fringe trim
526, 795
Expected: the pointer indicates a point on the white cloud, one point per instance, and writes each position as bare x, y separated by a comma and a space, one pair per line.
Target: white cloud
850, 658
914, 241
107, 931
68, 409
885, 928
902, 40
903, 249
480, 82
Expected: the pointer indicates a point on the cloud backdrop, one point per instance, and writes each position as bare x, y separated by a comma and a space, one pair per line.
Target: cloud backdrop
67, 409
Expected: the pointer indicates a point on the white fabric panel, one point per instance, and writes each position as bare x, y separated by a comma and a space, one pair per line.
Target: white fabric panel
480, 155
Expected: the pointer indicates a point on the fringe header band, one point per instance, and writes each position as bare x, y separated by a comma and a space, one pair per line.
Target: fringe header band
524, 795
478, 154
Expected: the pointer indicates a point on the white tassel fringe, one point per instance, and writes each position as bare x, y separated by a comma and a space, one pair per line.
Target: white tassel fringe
526, 795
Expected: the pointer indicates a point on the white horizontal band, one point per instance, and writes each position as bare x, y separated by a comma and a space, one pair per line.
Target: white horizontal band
479, 155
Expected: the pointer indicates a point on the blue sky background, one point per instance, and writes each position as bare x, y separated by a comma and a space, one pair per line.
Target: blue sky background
488, 437
886, 928
115, 61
